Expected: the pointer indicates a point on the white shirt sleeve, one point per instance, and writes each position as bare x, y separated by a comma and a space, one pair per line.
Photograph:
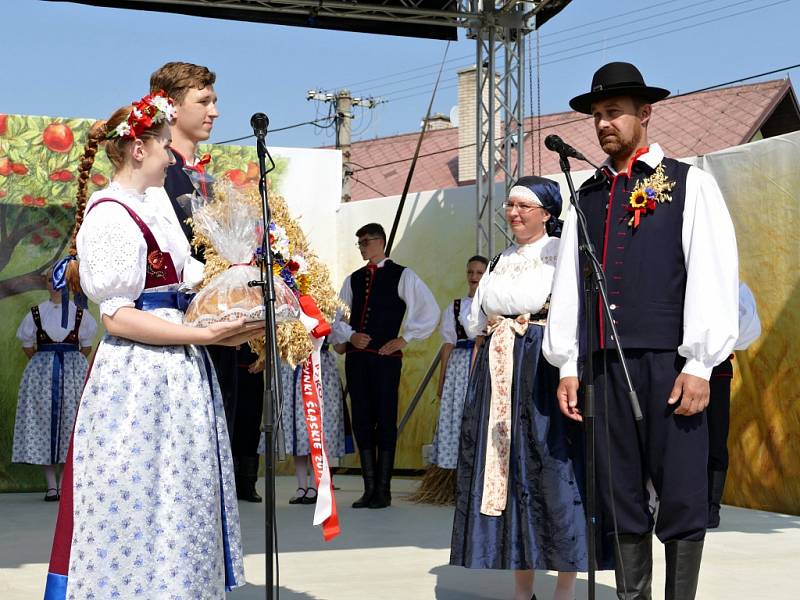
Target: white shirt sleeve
749, 323
475, 323
87, 330
341, 330
422, 311
710, 328
113, 258
560, 343
26, 333
447, 326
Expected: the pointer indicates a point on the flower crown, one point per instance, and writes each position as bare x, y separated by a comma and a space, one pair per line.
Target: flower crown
147, 112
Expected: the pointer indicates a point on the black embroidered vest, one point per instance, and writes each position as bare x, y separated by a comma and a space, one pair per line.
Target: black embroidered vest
645, 266
377, 308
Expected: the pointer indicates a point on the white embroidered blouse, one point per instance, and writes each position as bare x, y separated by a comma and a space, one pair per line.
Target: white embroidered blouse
50, 314
447, 324
113, 251
519, 283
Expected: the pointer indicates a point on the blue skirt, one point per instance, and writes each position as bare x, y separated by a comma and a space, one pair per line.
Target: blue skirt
543, 525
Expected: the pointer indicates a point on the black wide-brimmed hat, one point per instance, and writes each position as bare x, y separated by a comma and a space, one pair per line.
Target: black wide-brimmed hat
617, 79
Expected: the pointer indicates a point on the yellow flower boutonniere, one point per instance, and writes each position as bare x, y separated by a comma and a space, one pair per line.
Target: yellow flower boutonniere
647, 194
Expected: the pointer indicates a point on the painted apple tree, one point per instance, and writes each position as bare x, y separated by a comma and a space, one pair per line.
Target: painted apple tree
239, 165
38, 172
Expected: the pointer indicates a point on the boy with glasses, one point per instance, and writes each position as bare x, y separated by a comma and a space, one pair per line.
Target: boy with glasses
380, 295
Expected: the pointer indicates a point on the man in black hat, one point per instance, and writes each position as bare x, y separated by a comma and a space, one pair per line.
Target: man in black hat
667, 245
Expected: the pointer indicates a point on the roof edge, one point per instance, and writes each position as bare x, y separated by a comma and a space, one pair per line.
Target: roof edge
786, 88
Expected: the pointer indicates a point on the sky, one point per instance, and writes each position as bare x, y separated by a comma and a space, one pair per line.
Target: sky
66, 59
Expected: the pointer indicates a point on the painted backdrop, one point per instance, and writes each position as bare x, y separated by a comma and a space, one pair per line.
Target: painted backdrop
38, 170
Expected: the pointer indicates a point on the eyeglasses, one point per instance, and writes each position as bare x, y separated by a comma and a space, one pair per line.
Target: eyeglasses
521, 208
365, 241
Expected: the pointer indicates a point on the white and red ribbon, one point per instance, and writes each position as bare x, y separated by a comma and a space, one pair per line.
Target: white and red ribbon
313, 406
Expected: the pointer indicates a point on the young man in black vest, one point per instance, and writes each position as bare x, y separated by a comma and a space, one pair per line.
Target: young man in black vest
191, 88
380, 295
667, 245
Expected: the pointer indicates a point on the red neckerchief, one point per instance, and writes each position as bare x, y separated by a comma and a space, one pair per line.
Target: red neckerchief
639, 152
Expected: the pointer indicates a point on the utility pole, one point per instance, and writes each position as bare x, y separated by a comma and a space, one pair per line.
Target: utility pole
344, 103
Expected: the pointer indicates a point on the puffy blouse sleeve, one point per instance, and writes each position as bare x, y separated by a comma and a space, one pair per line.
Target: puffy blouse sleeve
27, 331
447, 326
475, 323
87, 330
113, 258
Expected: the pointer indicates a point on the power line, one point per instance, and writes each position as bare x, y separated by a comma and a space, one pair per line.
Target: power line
434, 66
469, 59
574, 120
636, 39
315, 123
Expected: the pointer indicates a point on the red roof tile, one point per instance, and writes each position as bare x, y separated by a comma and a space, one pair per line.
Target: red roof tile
684, 126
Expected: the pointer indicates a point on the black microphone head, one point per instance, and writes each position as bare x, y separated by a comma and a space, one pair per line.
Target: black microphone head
259, 122
553, 142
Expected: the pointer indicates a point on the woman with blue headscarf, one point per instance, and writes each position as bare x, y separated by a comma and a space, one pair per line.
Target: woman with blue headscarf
518, 501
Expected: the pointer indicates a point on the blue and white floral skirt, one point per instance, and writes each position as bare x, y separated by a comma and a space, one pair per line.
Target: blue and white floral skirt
451, 409
293, 417
46, 407
154, 500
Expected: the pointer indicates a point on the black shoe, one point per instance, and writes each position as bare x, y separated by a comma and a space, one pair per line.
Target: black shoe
246, 482
299, 496
383, 495
634, 568
682, 569
368, 474
48, 497
716, 485
308, 498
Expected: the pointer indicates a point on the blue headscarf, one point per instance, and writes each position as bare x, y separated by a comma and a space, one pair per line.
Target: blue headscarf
549, 195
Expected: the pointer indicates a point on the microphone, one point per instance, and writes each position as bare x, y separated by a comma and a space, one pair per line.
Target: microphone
556, 144
259, 122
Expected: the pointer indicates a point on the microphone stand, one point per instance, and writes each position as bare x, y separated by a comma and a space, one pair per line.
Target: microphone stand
595, 283
273, 393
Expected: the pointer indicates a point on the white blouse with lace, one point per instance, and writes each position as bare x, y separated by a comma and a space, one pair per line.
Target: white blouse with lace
113, 251
50, 315
447, 324
519, 283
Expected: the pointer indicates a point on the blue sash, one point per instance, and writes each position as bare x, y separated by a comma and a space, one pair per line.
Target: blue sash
56, 390
468, 344
154, 300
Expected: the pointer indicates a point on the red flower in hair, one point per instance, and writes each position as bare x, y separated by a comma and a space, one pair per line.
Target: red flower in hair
150, 110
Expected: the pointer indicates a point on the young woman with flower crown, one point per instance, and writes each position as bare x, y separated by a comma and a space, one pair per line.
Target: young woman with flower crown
151, 511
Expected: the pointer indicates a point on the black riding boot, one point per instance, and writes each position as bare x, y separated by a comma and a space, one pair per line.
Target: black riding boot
246, 482
634, 569
368, 473
683, 569
716, 485
383, 490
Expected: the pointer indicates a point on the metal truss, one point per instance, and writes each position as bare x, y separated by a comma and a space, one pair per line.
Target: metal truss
498, 27
499, 102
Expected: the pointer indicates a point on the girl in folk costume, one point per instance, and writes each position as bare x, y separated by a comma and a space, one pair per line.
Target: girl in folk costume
293, 421
149, 504
57, 337
438, 484
518, 500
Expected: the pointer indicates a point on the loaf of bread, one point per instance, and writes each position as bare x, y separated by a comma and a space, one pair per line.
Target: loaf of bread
225, 304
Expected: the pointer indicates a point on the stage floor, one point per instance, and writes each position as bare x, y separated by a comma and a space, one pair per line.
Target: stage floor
401, 553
